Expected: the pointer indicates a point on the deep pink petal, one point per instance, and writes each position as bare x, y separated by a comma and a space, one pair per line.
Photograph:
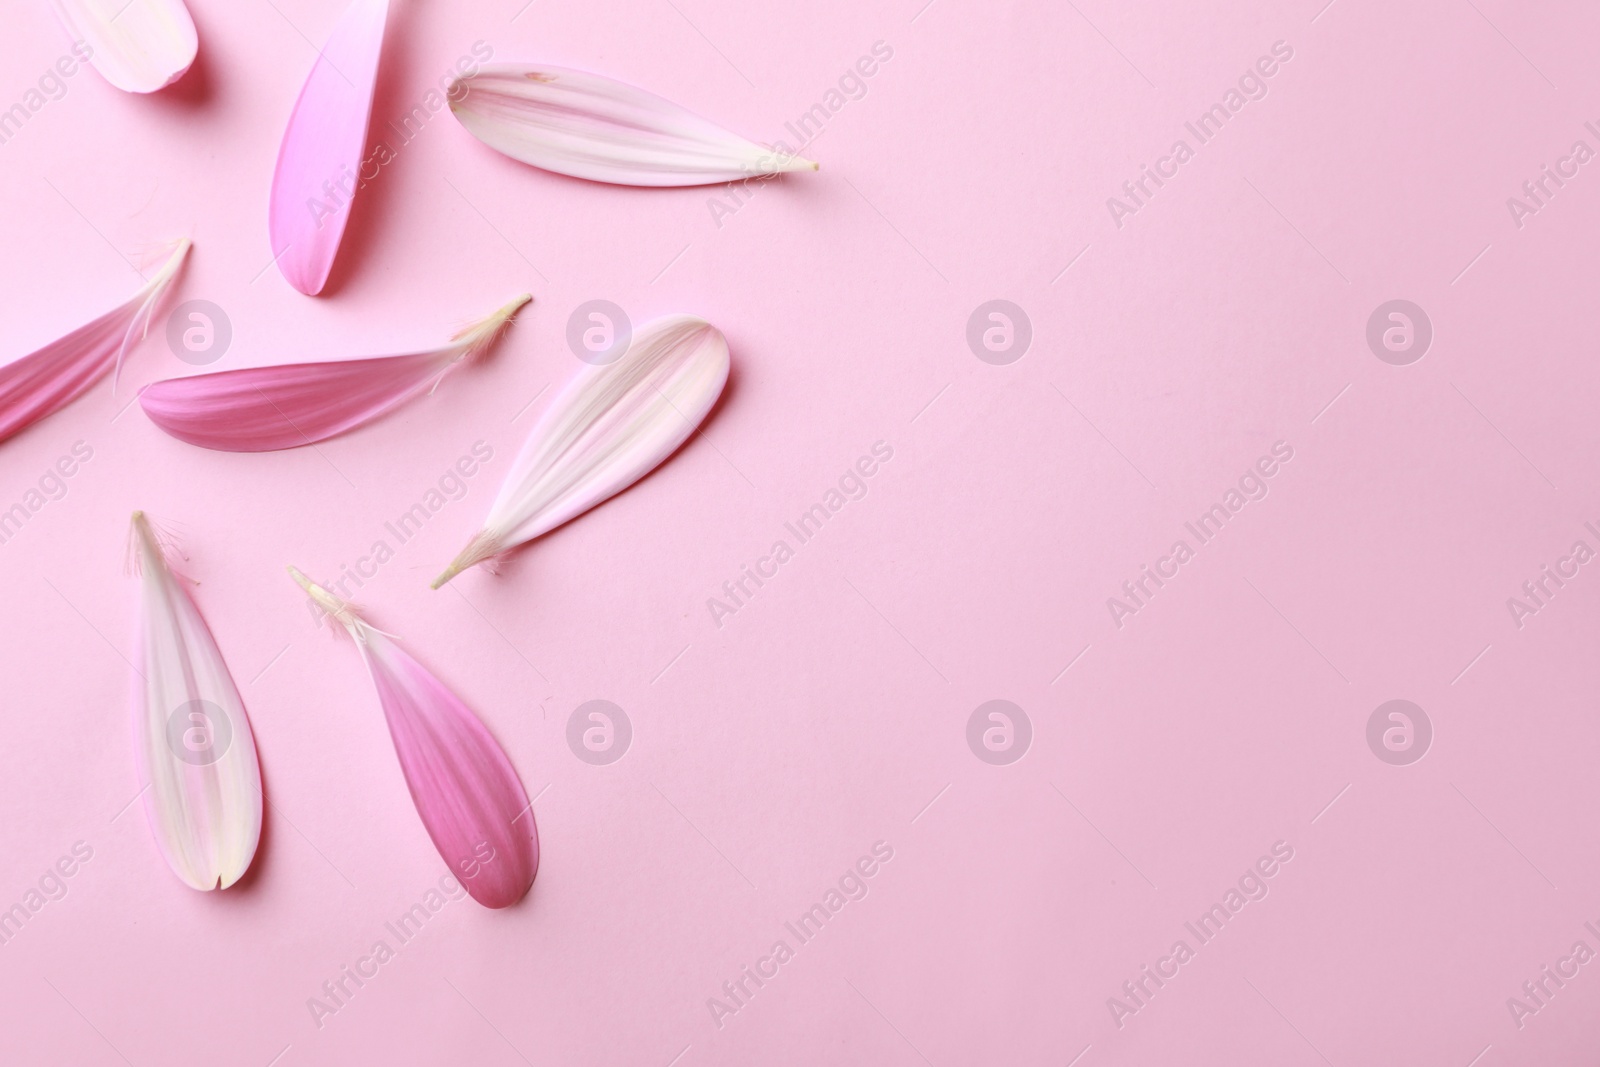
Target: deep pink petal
260, 409
469, 796
319, 161
45, 381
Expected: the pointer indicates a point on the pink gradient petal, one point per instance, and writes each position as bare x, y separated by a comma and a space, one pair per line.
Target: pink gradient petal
43, 382
261, 409
320, 158
468, 794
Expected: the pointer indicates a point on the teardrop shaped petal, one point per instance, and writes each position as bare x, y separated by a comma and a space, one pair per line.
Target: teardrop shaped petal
610, 426
43, 382
138, 46
588, 126
319, 160
260, 409
195, 749
468, 794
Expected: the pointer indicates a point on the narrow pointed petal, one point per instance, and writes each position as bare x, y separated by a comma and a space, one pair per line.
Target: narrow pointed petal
319, 161
43, 382
608, 428
592, 127
260, 409
464, 787
139, 46
196, 752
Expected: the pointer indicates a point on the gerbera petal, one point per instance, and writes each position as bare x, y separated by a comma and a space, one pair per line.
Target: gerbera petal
138, 46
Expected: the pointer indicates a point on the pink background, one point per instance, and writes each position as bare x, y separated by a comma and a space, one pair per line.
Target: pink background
830, 712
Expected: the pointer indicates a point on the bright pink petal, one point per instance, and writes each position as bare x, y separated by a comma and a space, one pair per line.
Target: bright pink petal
261, 409
43, 382
468, 794
319, 161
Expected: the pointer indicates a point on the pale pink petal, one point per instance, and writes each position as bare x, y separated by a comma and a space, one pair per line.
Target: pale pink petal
593, 127
319, 161
468, 794
259, 409
43, 382
608, 428
138, 46
197, 755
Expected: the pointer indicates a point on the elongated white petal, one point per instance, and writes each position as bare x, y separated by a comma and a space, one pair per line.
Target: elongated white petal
139, 46
47, 380
196, 753
464, 787
608, 428
581, 124
258, 409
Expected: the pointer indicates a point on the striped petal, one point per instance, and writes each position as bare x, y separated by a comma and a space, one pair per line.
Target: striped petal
591, 127
320, 158
260, 409
469, 796
43, 382
138, 46
196, 753
609, 427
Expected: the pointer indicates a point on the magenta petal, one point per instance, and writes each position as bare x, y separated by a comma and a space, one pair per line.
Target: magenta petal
320, 158
468, 794
260, 409
47, 380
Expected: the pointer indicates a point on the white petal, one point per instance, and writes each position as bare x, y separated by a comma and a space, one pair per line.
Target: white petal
137, 45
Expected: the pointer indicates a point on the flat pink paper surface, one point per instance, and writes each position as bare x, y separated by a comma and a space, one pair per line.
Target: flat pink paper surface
1171, 741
